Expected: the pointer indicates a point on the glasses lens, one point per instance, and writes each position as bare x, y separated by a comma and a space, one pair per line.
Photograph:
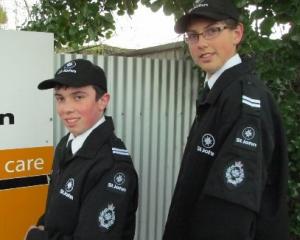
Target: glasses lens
191, 37
211, 32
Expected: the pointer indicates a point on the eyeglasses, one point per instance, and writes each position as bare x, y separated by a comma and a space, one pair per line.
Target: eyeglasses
207, 34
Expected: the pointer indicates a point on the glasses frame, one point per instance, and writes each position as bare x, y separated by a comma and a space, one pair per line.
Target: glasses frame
206, 34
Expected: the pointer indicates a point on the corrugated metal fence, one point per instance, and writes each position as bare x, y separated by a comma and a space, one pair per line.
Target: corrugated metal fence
152, 104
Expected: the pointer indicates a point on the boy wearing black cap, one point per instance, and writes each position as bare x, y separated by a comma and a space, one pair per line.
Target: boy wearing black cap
233, 177
93, 187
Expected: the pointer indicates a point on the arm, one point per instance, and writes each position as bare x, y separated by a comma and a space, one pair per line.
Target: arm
241, 173
232, 193
107, 210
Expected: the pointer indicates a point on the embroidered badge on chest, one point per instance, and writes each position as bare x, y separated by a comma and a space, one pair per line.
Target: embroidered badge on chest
207, 143
235, 174
247, 137
107, 217
68, 188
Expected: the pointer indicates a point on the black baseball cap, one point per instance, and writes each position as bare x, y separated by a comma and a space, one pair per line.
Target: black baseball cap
77, 73
211, 9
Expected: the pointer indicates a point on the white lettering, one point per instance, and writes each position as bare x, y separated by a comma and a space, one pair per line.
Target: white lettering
6, 167
251, 144
69, 70
116, 187
206, 151
12, 166
68, 195
39, 163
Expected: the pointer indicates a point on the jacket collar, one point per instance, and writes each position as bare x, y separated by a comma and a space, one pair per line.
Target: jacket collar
229, 76
97, 138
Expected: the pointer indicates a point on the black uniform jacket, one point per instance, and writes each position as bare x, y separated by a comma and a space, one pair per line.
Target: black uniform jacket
233, 177
92, 195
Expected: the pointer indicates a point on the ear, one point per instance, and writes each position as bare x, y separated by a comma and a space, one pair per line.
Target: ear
238, 34
103, 102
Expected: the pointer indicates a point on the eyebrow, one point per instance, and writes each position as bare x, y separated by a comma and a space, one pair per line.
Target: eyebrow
206, 27
78, 92
72, 93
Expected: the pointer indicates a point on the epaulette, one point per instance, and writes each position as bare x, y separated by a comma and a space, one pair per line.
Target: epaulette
119, 150
251, 99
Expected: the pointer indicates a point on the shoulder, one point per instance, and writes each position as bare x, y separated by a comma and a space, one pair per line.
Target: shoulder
123, 174
62, 143
256, 95
248, 90
119, 151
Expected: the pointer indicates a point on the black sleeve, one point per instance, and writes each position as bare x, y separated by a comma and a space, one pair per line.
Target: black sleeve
36, 234
239, 178
232, 193
272, 220
108, 210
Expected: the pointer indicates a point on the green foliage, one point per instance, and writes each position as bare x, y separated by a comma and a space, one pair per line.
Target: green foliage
3, 17
77, 22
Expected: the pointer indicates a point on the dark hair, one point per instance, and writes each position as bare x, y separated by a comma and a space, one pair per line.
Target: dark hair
99, 91
231, 23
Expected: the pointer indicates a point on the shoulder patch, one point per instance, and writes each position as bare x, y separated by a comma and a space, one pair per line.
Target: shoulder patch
247, 137
117, 182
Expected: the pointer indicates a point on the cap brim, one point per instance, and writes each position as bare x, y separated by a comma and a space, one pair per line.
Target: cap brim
183, 22
51, 83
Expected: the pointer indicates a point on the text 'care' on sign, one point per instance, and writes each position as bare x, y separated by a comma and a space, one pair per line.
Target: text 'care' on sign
27, 162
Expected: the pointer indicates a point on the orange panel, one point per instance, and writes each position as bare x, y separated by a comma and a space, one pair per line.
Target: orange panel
20, 208
25, 162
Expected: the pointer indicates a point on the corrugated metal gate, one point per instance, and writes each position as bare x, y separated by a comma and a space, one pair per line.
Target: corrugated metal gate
152, 104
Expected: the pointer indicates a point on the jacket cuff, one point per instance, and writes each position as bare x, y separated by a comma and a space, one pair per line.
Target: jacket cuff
37, 234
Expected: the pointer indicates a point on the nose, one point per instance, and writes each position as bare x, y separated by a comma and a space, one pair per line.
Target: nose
201, 43
65, 108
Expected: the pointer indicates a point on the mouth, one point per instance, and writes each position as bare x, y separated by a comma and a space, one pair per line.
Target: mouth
206, 56
71, 121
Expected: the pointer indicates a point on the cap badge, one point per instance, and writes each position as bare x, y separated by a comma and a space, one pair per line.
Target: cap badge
200, 3
68, 67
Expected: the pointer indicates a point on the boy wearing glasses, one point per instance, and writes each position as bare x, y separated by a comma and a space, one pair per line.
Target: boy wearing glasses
93, 189
233, 177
